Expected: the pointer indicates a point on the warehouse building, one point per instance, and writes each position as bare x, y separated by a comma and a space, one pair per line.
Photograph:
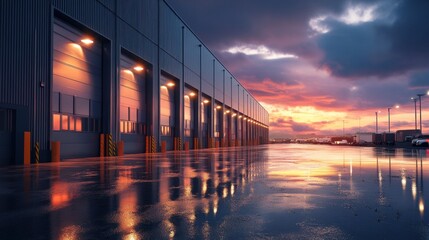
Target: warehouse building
102, 77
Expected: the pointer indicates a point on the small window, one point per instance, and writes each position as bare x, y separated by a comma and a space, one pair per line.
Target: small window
56, 124
65, 122
78, 122
71, 123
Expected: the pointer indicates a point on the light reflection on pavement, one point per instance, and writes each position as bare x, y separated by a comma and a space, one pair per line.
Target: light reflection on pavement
280, 191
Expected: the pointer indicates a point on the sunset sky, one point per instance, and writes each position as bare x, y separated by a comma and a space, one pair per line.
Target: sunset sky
315, 65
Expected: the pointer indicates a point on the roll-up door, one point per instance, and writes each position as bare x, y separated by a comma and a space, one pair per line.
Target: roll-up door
77, 91
167, 110
132, 105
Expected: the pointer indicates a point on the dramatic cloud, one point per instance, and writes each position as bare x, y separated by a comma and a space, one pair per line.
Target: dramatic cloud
316, 65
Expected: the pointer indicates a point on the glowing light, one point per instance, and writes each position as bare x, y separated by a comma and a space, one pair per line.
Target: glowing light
225, 193
218, 107
171, 84
414, 189
421, 206
87, 41
233, 115
138, 68
192, 94
227, 111
171, 235
245, 118
206, 101
403, 180
240, 116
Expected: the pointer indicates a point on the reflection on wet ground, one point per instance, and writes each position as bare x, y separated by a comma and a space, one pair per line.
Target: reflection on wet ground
267, 192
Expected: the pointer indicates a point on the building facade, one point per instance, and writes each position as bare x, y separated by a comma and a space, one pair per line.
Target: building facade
77, 71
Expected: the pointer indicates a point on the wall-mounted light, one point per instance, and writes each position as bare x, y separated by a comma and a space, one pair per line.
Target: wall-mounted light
245, 118
192, 94
218, 107
206, 101
233, 115
227, 111
138, 68
170, 84
240, 116
87, 41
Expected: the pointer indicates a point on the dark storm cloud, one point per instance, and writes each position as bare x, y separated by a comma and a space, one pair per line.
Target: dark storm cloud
380, 48
420, 79
280, 24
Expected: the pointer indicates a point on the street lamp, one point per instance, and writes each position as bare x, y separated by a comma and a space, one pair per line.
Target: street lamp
388, 116
415, 111
376, 121
420, 95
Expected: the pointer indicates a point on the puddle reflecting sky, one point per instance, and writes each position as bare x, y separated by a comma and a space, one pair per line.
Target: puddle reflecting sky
268, 192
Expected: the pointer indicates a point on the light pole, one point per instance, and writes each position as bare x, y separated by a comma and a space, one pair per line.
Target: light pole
388, 116
415, 111
420, 95
376, 121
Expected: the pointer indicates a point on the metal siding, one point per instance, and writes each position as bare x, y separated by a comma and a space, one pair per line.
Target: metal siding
170, 64
192, 79
24, 64
192, 52
234, 94
90, 13
207, 66
227, 92
206, 88
141, 16
170, 32
219, 81
136, 42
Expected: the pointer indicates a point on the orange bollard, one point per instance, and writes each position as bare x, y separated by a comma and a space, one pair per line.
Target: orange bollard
27, 151
121, 148
55, 153
102, 145
163, 146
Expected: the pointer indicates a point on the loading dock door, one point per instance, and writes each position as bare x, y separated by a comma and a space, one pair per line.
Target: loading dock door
77, 91
7, 137
132, 105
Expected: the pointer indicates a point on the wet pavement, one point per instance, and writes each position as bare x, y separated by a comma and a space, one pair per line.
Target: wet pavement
280, 191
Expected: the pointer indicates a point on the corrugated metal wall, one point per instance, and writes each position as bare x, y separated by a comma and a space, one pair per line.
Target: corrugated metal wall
26, 66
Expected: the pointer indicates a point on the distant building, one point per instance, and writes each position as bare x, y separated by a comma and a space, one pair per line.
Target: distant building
363, 137
406, 135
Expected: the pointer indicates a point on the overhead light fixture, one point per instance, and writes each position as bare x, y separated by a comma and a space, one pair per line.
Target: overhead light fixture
87, 41
233, 115
192, 94
206, 101
138, 68
240, 116
245, 118
227, 111
170, 84
218, 107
